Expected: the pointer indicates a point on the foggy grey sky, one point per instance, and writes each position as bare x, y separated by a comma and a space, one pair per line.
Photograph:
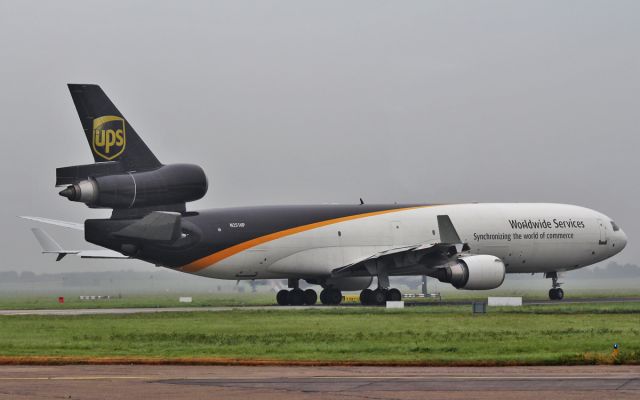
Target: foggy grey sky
328, 101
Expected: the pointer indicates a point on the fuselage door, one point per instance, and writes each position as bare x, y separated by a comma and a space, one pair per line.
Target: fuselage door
603, 232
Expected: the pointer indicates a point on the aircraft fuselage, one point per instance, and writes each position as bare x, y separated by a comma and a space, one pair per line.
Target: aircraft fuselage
311, 241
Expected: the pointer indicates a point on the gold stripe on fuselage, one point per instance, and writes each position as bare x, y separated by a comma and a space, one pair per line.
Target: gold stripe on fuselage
214, 258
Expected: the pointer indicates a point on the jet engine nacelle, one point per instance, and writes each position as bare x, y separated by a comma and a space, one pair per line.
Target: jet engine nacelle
169, 184
478, 272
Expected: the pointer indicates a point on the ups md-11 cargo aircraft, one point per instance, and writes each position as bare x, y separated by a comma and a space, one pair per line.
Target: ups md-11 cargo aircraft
339, 247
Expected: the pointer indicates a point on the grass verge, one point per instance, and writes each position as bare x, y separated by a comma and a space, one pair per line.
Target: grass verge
443, 335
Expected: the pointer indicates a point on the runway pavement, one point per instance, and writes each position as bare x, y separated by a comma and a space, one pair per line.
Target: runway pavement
98, 311
226, 382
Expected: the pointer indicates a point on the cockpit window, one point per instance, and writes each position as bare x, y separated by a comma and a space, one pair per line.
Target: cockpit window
616, 228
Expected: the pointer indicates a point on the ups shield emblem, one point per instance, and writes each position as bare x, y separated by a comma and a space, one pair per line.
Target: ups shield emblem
109, 136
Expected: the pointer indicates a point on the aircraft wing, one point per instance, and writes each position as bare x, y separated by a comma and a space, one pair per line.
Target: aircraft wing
434, 254
50, 246
400, 258
64, 224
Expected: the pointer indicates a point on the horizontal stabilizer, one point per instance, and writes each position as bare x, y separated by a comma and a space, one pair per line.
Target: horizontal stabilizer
159, 226
64, 224
46, 242
50, 246
102, 254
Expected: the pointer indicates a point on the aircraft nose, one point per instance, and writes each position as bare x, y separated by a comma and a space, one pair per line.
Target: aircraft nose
623, 240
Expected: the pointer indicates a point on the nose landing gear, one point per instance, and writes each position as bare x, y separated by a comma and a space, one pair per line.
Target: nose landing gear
555, 293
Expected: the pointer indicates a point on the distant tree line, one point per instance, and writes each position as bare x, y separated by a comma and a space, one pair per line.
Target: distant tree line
89, 278
612, 270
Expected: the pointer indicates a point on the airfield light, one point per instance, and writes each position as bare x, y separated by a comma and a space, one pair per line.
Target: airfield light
615, 351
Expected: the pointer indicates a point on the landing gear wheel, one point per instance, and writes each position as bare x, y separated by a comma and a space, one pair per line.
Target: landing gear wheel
365, 297
323, 296
334, 296
556, 294
283, 298
379, 297
331, 296
310, 297
296, 297
394, 295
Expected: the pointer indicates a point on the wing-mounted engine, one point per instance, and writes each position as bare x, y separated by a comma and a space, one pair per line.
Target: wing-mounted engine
474, 272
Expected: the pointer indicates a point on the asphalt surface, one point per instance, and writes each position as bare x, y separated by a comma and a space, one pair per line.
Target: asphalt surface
98, 311
226, 382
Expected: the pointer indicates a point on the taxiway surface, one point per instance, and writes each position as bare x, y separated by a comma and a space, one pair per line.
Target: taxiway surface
232, 382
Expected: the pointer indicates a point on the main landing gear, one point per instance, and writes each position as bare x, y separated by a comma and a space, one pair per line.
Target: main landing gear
555, 293
299, 297
383, 293
331, 296
296, 296
379, 296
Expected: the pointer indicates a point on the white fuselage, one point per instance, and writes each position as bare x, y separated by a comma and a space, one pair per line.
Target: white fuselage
528, 237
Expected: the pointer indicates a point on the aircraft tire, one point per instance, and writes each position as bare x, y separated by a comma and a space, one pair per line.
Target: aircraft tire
323, 296
283, 298
296, 297
556, 294
331, 296
379, 297
365, 297
394, 295
310, 297
334, 296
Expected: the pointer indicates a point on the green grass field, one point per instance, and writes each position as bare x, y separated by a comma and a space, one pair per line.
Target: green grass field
136, 301
550, 334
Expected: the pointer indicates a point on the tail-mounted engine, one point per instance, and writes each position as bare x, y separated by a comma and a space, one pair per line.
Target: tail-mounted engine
166, 185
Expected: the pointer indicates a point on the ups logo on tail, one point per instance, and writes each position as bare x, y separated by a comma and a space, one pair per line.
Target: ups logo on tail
109, 136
